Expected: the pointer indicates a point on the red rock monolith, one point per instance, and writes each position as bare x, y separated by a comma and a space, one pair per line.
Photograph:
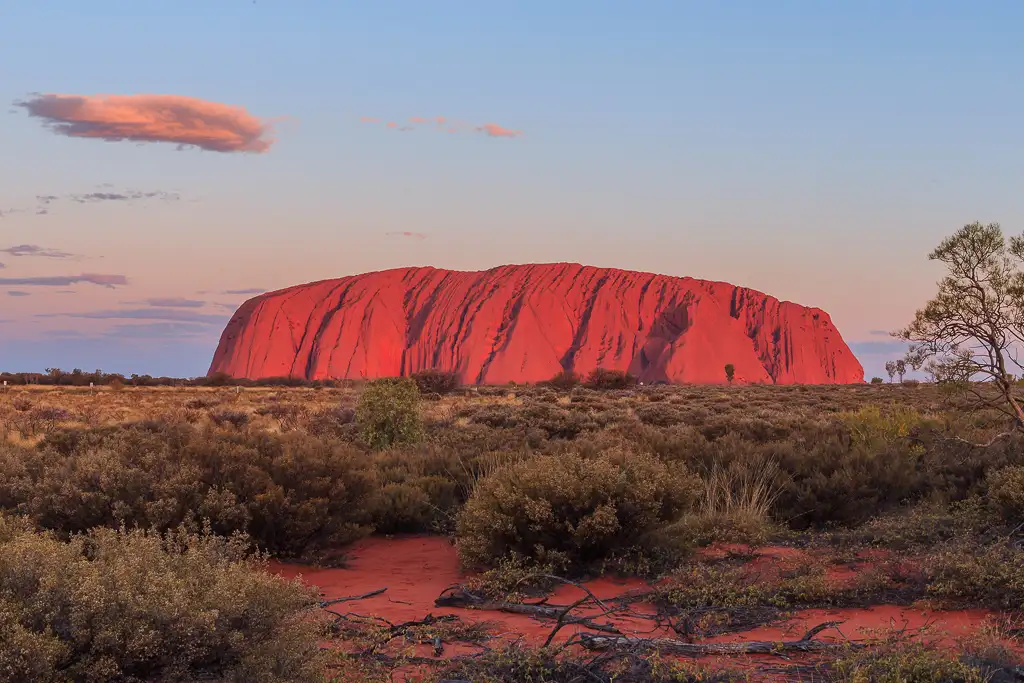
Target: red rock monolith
527, 323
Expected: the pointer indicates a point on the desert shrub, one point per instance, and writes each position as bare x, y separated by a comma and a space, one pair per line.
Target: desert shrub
1006, 493
659, 414
388, 413
903, 662
22, 404
556, 421
871, 424
573, 511
991, 576
564, 381
922, 526
336, 422
133, 606
436, 381
604, 379
290, 492
706, 584
235, 418
877, 380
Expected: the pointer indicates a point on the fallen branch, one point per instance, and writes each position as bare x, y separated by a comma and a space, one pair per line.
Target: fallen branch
328, 603
592, 641
460, 597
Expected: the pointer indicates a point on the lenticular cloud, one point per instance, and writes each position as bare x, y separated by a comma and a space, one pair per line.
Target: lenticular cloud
181, 120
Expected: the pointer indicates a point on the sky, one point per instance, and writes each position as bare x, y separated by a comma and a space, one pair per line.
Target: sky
162, 161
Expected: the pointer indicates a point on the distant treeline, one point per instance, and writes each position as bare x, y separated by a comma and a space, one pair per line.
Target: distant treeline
428, 381
81, 378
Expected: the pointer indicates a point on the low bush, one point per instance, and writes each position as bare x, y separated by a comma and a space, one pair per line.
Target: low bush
133, 606
388, 413
290, 492
605, 379
573, 511
436, 381
903, 662
1006, 493
992, 576
564, 381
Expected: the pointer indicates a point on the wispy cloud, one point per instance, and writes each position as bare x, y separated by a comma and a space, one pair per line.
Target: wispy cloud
441, 123
45, 203
158, 330
65, 280
406, 233
35, 250
252, 290
877, 348
496, 131
185, 121
17, 292
880, 333
171, 302
166, 314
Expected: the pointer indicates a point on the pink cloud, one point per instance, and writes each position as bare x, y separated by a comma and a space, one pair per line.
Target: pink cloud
368, 119
454, 126
176, 119
406, 233
496, 131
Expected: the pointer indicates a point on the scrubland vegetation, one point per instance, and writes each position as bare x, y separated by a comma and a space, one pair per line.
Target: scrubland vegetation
135, 521
115, 497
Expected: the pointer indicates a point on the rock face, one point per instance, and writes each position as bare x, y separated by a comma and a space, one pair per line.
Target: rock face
526, 324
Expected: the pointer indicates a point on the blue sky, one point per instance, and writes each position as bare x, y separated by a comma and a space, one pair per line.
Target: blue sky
815, 151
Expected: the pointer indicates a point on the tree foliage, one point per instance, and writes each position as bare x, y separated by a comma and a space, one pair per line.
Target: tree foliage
973, 329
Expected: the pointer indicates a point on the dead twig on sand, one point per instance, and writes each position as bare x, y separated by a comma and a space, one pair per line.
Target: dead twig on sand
335, 601
459, 596
593, 641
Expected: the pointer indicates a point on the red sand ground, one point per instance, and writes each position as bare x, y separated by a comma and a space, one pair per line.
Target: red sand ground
415, 570
525, 323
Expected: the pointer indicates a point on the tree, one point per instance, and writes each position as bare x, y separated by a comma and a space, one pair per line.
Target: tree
890, 369
901, 369
730, 372
971, 332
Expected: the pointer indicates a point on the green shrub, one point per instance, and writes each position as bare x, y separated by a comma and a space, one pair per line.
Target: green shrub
903, 662
132, 606
388, 413
1006, 493
992, 576
573, 511
290, 492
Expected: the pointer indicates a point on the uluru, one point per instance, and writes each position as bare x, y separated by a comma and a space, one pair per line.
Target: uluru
527, 323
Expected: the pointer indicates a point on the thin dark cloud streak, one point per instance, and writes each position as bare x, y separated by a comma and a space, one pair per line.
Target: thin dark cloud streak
45, 203
36, 250
110, 281
166, 314
252, 290
170, 302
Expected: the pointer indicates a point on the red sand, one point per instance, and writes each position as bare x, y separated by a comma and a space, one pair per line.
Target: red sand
526, 323
415, 570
